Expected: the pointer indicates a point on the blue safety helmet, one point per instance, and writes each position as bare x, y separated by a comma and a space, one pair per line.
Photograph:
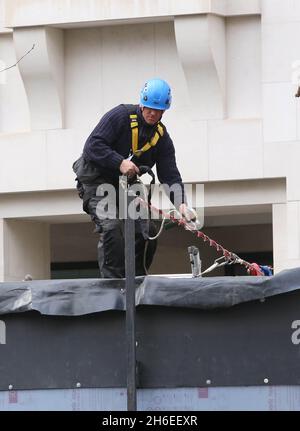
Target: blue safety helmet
156, 94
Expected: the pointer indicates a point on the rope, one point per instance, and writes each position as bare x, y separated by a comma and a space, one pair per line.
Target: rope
10, 67
228, 255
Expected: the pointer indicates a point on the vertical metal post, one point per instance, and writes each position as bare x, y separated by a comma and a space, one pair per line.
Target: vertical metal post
130, 306
195, 260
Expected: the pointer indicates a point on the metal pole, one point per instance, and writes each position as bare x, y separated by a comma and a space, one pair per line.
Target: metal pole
195, 260
130, 306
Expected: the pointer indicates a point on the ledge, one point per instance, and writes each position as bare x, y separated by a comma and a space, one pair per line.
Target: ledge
4, 30
85, 13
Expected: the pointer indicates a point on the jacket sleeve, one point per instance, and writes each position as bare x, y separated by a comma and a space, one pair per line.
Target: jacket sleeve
167, 171
99, 147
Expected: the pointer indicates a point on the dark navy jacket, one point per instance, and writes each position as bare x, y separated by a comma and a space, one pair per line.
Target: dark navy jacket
110, 143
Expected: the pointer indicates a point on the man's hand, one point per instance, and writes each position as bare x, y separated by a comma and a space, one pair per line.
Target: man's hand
128, 168
188, 213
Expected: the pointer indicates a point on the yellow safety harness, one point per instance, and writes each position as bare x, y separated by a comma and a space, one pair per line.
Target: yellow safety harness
135, 136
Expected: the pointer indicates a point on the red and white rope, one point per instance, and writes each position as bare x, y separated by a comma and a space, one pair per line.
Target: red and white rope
253, 269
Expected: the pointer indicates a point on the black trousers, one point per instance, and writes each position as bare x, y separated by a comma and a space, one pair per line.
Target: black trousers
111, 245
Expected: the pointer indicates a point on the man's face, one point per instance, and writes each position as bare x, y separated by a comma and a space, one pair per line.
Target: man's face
152, 116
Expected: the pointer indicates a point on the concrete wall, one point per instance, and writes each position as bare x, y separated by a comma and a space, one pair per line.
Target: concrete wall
234, 116
92, 61
25, 249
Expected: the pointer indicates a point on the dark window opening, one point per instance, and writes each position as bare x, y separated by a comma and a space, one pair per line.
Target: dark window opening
65, 270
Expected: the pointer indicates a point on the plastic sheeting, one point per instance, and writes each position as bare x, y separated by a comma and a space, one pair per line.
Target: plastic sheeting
85, 296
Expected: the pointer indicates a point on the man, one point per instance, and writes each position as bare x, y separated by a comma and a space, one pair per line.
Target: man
127, 137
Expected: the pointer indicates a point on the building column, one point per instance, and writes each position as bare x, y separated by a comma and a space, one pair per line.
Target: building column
24, 249
201, 46
42, 71
286, 235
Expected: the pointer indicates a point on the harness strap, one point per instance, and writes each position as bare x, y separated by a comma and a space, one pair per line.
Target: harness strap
135, 137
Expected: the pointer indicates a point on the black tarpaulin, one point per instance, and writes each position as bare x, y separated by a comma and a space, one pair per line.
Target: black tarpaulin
85, 296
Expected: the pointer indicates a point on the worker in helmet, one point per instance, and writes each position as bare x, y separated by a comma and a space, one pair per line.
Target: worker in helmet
127, 137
